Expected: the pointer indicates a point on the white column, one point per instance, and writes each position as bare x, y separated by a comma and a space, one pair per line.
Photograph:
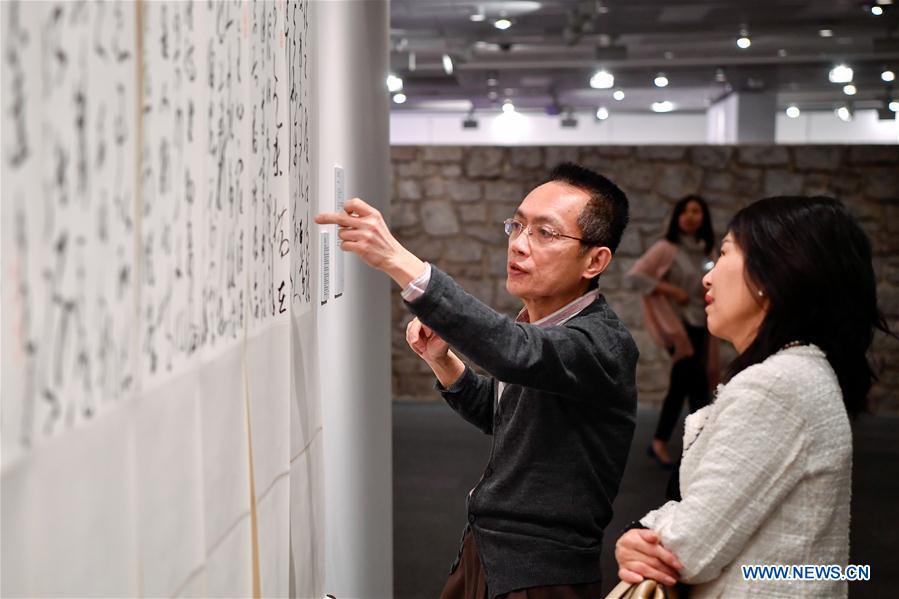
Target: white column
351, 130
742, 117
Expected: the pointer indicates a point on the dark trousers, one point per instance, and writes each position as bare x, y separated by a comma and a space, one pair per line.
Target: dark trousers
468, 581
688, 379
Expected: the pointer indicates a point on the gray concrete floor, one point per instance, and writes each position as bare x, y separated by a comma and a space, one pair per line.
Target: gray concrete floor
437, 457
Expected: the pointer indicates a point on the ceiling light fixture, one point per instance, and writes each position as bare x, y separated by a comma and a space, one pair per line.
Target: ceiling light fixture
876, 11
825, 32
394, 83
844, 113
888, 75
840, 74
602, 79
618, 94
661, 80
478, 16
849, 89
399, 98
447, 64
894, 106
602, 113
793, 111
502, 24
508, 107
663, 106
743, 42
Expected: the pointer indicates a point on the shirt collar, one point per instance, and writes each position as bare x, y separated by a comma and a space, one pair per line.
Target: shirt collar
563, 314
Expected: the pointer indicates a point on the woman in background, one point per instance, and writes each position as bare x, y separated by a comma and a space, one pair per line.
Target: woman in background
669, 276
766, 470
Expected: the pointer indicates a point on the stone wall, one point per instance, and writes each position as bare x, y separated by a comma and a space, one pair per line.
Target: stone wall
449, 203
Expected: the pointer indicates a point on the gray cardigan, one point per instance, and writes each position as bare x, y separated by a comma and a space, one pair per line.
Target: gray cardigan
561, 432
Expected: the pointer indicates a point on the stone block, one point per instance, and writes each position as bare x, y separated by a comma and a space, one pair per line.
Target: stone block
712, 157
631, 176
763, 155
556, 154
817, 158
425, 248
612, 151
780, 182
438, 218
402, 153
464, 191
503, 191
451, 171
435, 187
677, 181
874, 155
662, 153
484, 162
718, 181
462, 249
498, 258
882, 183
480, 288
408, 189
403, 214
408, 170
473, 213
491, 233
526, 157
441, 153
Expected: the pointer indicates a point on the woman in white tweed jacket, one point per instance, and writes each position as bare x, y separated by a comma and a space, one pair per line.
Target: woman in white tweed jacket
766, 468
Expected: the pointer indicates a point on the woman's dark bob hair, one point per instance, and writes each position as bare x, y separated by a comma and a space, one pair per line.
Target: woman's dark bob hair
705, 232
813, 262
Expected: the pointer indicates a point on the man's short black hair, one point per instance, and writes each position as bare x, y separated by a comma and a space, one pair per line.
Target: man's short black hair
603, 219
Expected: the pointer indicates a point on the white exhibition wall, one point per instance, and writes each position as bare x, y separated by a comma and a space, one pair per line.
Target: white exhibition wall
179, 395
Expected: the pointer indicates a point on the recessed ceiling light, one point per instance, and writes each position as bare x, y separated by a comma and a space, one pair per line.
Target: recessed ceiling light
394, 83
744, 42
844, 114
669, 55
399, 98
876, 11
825, 32
888, 75
508, 107
447, 64
663, 106
602, 113
849, 89
793, 111
884, 2
602, 79
782, 52
840, 74
894, 106
661, 80
618, 94
502, 23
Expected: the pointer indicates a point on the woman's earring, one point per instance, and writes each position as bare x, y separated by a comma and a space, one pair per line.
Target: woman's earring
761, 293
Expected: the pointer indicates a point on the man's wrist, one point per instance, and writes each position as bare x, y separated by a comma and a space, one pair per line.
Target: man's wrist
405, 268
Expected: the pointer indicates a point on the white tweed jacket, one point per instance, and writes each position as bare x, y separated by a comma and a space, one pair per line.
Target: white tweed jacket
765, 479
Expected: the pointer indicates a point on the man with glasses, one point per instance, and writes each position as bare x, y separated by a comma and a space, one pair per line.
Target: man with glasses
561, 399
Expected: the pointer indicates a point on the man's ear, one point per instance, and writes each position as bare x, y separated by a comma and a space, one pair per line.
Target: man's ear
599, 259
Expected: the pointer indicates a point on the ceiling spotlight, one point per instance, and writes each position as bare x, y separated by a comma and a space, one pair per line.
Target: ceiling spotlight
876, 11
884, 2
602, 113
849, 89
661, 80
394, 83
502, 24
888, 75
478, 16
894, 105
602, 79
618, 94
447, 64
793, 111
743, 41
508, 107
825, 32
399, 98
840, 74
844, 113
492, 95
663, 106
782, 52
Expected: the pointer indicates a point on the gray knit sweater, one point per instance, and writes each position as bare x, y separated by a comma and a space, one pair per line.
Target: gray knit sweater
561, 433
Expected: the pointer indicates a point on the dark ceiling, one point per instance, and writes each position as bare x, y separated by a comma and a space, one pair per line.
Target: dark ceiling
544, 61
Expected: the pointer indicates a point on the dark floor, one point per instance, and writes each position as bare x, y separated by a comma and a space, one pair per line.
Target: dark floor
437, 457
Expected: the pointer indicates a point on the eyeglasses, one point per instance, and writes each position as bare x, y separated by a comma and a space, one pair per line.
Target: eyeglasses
542, 235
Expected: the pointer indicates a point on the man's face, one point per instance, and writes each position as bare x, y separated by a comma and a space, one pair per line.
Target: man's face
538, 270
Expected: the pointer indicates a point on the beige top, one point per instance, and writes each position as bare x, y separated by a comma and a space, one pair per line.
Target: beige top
765, 479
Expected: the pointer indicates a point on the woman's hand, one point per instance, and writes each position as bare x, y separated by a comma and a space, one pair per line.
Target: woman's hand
640, 555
